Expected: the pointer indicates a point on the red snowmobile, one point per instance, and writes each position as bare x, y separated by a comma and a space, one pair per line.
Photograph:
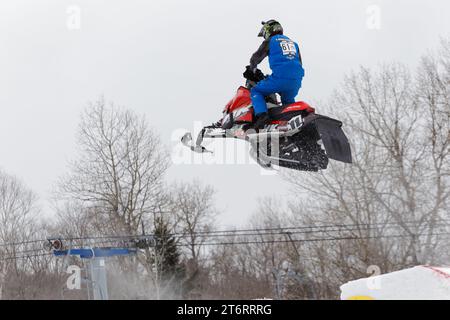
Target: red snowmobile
292, 139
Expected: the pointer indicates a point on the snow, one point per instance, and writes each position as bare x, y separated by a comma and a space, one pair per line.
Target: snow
417, 283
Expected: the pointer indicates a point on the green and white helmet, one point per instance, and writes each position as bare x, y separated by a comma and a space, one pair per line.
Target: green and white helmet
270, 28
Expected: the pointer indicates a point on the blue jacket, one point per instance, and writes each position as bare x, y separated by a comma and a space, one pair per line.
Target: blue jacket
284, 57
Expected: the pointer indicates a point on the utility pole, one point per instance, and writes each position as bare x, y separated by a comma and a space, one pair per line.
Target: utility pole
99, 282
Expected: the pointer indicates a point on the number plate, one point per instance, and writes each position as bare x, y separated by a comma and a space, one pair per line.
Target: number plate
296, 123
288, 48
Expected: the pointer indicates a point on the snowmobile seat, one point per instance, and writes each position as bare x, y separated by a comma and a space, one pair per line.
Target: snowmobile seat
285, 113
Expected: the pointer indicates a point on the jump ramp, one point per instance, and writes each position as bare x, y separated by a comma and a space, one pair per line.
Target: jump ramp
417, 283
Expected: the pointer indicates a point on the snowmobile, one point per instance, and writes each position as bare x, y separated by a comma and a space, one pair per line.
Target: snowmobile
293, 138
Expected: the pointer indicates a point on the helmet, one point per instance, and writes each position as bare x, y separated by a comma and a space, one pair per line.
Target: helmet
270, 28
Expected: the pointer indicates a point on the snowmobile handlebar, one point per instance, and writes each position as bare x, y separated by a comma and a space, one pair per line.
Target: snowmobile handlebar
255, 76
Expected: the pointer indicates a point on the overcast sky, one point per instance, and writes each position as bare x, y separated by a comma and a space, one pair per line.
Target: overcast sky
178, 62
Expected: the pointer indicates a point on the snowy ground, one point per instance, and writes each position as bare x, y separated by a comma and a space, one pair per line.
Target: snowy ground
418, 283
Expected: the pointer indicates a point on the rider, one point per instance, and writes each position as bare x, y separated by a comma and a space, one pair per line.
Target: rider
287, 70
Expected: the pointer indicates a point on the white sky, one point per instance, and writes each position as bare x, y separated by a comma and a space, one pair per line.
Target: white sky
178, 62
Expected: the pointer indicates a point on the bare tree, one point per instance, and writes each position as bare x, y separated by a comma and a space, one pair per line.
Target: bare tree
21, 268
398, 184
433, 93
119, 174
116, 186
193, 213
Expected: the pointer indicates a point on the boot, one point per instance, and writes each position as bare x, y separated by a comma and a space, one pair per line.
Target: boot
261, 120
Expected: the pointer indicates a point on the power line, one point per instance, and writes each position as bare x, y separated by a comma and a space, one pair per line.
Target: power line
20, 243
271, 231
263, 242
408, 222
314, 240
273, 241
235, 232
320, 228
25, 251
25, 256
282, 232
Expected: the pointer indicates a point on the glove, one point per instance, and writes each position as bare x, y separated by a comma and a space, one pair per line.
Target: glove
258, 75
249, 73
